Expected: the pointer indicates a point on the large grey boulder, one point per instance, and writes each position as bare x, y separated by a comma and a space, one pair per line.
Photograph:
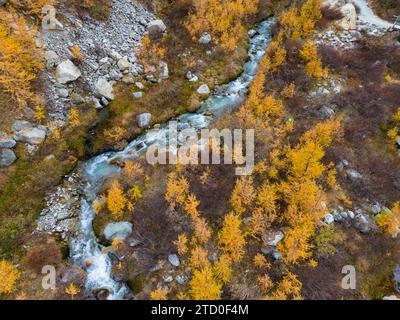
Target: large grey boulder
204, 90
67, 72
31, 136
120, 230
20, 125
349, 20
156, 27
144, 120
7, 157
6, 141
52, 58
364, 223
174, 260
124, 64
104, 89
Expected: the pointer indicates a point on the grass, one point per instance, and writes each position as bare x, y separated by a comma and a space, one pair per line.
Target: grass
25, 184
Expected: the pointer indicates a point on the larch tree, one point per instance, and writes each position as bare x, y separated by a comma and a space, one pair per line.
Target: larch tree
8, 277
231, 239
116, 201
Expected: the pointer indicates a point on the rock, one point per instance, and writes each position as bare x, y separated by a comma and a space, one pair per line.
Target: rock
139, 85
168, 279
97, 104
144, 120
252, 33
273, 238
364, 223
205, 38
104, 89
327, 112
137, 95
329, 218
181, 279
174, 260
349, 21
67, 72
392, 297
52, 59
353, 174
3, 3
191, 77
351, 214
164, 73
277, 255
31, 136
119, 230
75, 275
63, 93
6, 141
376, 208
156, 27
128, 79
204, 90
124, 64
20, 125
7, 157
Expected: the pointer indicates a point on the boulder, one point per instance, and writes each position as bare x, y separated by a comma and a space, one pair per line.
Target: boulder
139, 85
192, 77
353, 174
74, 274
124, 64
349, 20
20, 125
31, 135
329, 218
204, 90
137, 95
6, 141
52, 58
252, 33
164, 73
174, 260
205, 38
156, 27
119, 230
7, 157
104, 89
364, 223
144, 120
67, 72
63, 93
273, 238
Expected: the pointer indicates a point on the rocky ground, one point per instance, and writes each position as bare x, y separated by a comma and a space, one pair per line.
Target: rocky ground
108, 55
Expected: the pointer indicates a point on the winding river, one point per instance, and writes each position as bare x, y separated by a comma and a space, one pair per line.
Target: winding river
96, 170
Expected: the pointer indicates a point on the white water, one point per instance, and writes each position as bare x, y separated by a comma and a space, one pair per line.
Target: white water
86, 248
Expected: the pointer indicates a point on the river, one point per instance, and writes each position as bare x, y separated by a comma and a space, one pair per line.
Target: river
96, 170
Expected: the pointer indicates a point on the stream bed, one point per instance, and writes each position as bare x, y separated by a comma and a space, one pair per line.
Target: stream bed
95, 171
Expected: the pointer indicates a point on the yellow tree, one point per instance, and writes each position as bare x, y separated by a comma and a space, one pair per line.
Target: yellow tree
389, 221
8, 277
72, 290
204, 286
231, 239
116, 201
159, 294
20, 60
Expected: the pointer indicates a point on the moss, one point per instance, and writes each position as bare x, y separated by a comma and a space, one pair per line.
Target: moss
136, 283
